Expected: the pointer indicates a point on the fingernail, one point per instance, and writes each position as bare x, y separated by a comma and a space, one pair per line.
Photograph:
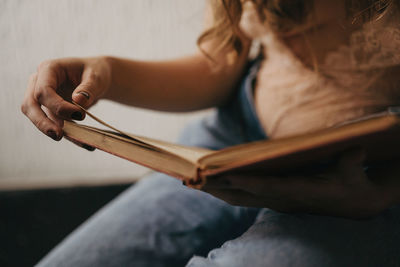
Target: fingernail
87, 147
52, 134
85, 94
77, 115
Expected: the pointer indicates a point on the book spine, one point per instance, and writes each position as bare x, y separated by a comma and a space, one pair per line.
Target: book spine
197, 182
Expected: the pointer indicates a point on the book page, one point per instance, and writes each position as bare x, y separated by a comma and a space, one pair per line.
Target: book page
129, 149
372, 133
192, 154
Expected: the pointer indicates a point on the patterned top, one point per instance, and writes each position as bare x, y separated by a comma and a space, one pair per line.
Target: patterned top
355, 79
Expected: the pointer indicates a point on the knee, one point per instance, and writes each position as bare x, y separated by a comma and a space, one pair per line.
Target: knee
278, 239
258, 253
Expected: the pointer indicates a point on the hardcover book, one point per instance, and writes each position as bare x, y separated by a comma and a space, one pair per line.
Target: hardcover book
378, 134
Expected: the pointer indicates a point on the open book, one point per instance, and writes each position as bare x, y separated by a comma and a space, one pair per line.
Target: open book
378, 134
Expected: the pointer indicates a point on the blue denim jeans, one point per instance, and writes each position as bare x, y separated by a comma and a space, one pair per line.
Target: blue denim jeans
159, 222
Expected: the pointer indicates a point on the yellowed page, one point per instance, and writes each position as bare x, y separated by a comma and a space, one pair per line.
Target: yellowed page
192, 154
130, 150
246, 154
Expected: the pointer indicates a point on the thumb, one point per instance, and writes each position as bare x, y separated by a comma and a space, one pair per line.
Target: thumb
87, 92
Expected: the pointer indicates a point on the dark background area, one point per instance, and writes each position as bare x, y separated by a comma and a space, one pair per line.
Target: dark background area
32, 222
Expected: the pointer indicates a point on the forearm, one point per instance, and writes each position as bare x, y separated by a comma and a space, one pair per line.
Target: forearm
183, 84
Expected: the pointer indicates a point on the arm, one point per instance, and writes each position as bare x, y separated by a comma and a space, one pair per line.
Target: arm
177, 85
184, 84
344, 191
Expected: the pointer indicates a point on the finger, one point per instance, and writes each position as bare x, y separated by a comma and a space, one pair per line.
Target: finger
51, 116
50, 77
234, 197
33, 111
85, 146
259, 184
44, 124
291, 194
88, 91
242, 198
277, 187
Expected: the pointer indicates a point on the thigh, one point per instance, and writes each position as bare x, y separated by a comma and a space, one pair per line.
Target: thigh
158, 222
278, 239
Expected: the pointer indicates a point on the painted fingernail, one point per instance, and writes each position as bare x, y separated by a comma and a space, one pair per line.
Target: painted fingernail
52, 134
77, 115
87, 147
85, 94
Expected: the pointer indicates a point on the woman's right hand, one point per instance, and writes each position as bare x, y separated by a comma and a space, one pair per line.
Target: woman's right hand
47, 100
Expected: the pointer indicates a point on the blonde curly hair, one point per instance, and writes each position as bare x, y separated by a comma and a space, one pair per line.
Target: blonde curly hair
284, 16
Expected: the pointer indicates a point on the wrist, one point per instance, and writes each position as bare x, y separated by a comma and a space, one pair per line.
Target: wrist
108, 62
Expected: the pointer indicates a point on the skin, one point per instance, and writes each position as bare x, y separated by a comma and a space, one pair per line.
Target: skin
192, 83
183, 84
345, 190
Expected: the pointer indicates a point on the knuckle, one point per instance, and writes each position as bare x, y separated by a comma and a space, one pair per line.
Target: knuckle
32, 77
58, 109
86, 86
48, 64
41, 123
24, 108
94, 77
44, 64
39, 93
54, 65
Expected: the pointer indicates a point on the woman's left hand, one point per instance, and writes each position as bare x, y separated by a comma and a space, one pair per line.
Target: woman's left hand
344, 191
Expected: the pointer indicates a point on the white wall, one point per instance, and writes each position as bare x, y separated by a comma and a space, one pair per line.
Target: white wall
34, 30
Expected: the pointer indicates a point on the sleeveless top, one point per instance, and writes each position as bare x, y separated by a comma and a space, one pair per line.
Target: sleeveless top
355, 79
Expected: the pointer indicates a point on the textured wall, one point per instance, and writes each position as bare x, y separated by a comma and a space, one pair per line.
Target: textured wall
34, 30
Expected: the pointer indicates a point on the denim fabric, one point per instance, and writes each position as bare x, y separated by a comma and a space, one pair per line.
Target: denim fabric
232, 124
279, 239
159, 222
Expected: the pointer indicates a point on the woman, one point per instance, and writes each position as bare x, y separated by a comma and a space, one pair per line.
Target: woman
320, 63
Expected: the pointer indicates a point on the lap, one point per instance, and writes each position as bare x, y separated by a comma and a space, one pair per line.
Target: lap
278, 239
158, 222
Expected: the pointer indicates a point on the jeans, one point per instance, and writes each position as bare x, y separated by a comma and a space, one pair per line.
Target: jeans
159, 222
